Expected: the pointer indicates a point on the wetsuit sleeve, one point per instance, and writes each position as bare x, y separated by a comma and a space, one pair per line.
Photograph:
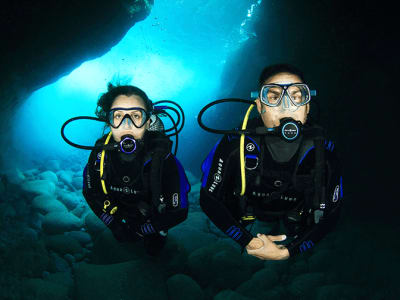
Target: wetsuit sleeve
218, 168
94, 196
334, 198
175, 189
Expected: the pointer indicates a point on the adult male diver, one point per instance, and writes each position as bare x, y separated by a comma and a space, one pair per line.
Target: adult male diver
283, 171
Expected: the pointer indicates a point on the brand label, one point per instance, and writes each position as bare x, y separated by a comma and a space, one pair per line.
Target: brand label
217, 176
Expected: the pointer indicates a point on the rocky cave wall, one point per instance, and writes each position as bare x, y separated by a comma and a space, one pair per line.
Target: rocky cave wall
44, 40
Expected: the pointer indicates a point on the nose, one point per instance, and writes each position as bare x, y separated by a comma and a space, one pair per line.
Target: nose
127, 123
286, 101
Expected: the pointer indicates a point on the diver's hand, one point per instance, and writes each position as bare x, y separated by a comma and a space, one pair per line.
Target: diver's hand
255, 243
269, 250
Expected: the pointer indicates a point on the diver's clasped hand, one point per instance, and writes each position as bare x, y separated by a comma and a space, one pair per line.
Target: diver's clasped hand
263, 247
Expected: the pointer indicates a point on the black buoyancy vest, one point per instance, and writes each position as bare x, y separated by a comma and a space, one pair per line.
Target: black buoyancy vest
276, 189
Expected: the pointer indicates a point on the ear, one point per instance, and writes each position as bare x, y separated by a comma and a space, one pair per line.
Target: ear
308, 108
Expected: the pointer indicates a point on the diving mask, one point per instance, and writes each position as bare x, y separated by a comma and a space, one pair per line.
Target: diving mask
292, 95
127, 116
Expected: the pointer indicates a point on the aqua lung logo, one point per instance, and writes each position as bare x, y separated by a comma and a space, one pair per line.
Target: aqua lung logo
306, 245
217, 176
290, 131
335, 196
126, 190
88, 180
175, 199
250, 147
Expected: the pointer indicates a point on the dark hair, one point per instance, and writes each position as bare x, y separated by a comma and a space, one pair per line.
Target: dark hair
276, 69
106, 100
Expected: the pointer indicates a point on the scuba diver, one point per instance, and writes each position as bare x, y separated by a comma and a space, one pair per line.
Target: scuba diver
132, 181
277, 168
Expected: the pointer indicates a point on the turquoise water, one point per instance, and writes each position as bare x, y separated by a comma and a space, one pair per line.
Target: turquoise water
178, 52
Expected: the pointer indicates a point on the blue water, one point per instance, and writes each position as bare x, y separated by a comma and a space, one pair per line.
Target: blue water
178, 52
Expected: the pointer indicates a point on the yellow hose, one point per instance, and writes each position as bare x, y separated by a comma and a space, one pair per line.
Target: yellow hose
242, 170
102, 164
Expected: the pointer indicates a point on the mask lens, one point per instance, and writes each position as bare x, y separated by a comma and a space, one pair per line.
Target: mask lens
135, 115
299, 94
271, 94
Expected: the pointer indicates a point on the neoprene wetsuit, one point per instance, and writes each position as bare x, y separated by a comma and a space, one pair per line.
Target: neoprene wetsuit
129, 188
279, 187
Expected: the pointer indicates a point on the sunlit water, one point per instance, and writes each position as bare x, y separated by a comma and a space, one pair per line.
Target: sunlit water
178, 52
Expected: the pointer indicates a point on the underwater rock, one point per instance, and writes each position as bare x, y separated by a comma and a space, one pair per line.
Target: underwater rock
69, 258
58, 264
39, 187
22, 208
190, 237
183, 287
69, 199
107, 250
303, 284
65, 176
7, 211
81, 236
93, 224
35, 221
298, 267
80, 210
321, 260
36, 288
263, 280
62, 244
191, 178
77, 182
231, 295
342, 291
128, 280
29, 234
62, 278
217, 264
53, 165
198, 221
45, 204
60, 222
31, 173
28, 258
15, 176
49, 175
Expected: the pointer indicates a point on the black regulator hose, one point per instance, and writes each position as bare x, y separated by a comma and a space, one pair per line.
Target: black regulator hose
172, 134
219, 131
76, 145
171, 108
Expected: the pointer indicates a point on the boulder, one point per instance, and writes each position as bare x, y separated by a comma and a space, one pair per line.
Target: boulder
259, 283
62, 244
39, 187
69, 199
36, 288
182, 287
60, 222
46, 203
49, 175
128, 280
81, 236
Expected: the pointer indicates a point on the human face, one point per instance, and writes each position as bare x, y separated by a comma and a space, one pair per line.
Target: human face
124, 101
271, 115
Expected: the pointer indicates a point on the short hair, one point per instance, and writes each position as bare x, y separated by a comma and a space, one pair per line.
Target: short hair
106, 100
272, 70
